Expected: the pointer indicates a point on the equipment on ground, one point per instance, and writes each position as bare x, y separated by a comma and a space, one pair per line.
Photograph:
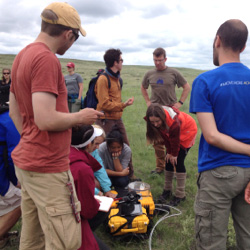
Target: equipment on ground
132, 213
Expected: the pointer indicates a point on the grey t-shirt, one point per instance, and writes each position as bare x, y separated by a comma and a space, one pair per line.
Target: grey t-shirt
107, 158
72, 83
163, 84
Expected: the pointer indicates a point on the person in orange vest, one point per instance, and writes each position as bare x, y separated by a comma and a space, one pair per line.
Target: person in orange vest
177, 131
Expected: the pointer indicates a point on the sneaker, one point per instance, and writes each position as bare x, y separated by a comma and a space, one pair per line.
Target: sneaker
7, 238
157, 171
175, 201
166, 194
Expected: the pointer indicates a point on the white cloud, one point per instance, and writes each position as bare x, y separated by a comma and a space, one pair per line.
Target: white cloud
186, 29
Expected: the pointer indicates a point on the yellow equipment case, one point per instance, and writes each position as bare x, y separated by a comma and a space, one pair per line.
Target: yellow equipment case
120, 225
132, 213
146, 201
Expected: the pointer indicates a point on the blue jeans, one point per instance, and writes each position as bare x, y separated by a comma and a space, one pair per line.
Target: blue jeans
118, 181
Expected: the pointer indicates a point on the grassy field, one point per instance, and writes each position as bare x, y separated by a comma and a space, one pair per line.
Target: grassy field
173, 233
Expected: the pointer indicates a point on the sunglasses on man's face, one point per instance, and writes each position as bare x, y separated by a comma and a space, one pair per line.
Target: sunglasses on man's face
75, 34
6, 73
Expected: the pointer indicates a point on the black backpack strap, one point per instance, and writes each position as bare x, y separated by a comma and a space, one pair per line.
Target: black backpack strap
121, 82
109, 83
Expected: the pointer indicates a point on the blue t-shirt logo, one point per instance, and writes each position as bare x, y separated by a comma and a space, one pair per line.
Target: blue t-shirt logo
159, 81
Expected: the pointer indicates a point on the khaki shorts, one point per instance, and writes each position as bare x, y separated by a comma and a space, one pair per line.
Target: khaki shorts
48, 221
11, 200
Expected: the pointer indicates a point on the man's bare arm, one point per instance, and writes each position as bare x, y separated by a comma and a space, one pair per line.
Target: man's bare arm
184, 95
185, 92
220, 140
145, 95
48, 118
14, 113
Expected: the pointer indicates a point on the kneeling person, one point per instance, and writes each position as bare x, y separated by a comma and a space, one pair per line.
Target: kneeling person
116, 156
83, 166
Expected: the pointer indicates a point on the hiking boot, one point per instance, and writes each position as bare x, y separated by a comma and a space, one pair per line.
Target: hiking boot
175, 201
166, 194
157, 171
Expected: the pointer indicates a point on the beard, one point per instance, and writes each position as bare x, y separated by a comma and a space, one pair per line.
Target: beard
64, 47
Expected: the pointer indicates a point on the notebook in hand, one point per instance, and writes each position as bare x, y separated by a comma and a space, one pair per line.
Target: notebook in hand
105, 202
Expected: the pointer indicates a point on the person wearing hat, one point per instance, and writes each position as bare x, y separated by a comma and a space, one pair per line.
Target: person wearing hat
39, 109
74, 84
83, 166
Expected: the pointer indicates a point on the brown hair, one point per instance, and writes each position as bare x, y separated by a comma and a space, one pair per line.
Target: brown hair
233, 34
153, 134
111, 56
159, 52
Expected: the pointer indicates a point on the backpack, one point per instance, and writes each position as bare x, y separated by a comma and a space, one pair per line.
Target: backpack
90, 100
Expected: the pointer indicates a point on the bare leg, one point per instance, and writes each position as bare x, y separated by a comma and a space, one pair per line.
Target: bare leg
8, 220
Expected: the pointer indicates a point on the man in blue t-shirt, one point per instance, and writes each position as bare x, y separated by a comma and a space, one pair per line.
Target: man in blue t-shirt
221, 100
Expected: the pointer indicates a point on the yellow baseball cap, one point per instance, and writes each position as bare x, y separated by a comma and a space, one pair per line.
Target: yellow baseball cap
67, 16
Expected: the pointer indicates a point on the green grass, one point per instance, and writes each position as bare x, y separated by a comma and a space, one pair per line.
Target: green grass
173, 233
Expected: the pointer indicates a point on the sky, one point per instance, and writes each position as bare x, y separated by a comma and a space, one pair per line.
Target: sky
184, 28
